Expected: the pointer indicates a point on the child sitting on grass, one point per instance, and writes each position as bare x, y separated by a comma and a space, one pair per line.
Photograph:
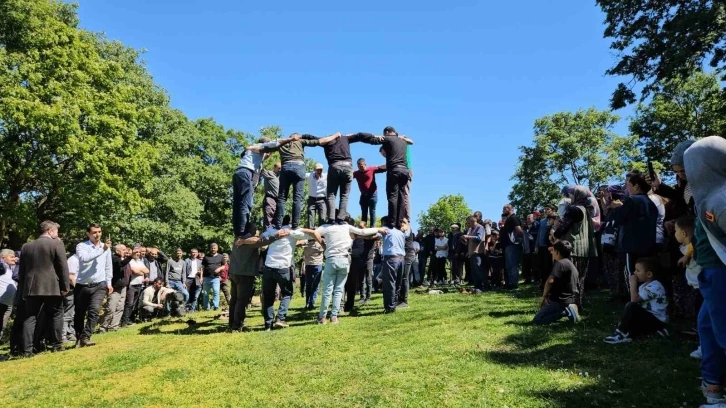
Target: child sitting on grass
646, 312
560, 291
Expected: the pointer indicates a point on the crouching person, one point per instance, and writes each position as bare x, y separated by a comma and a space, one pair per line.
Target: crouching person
153, 299
560, 292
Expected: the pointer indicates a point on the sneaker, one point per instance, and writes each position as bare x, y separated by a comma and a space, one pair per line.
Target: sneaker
476, 292
573, 313
280, 324
697, 354
402, 305
334, 320
322, 321
712, 397
663, 333
425, 283
617, 338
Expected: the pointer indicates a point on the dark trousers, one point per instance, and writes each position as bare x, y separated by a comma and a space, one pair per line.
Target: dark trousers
243, 288
132, 297
638, 321
242, 193
312, 283
268, 210
402, 281
456, 267
291, 175
317, 210
544, 260
396, 190
271, 278
480, 277
368, 205
367, 279
550, 313
16, 331
52, 307
468, 271
581, 263
392, 267
357, 268
5, 312
339, 177
439, 269
88, 301
496, 264
527, 266
195, 289
422, 257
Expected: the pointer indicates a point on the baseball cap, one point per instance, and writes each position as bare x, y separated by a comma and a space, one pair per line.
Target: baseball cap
318, 166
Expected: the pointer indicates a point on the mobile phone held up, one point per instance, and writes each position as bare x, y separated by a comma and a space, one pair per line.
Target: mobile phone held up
651, 170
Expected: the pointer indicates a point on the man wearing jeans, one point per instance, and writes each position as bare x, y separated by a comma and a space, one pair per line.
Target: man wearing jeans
175, 277
511, 239
366, 178
243, 180
317, 196
394, 250
192, 271
337, 244
93, 282
277, 272
212, 266
292, 174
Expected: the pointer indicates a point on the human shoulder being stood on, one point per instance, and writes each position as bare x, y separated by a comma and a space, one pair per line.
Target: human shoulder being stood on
43, 281
243, 180
93, 283
292, 174
336, 238
560, 291
366, 178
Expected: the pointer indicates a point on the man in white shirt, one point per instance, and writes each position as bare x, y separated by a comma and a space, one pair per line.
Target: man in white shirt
317, 196
337, 241
153, 299
93, 283
193, 268
277, 272
137, 270
69, 308
441, 248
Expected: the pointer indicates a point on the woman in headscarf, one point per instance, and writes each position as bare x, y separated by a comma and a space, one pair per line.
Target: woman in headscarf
576, 227
565, 200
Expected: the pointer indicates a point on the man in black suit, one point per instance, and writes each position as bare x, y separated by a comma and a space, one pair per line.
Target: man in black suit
43, 283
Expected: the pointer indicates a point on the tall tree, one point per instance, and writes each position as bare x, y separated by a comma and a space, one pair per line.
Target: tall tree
661, 40
448, 209
683, 109
581, 148
533, 182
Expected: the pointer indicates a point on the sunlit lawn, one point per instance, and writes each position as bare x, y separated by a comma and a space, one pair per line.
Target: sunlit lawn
444, 351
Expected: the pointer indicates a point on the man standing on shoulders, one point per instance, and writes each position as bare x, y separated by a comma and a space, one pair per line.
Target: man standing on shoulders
317, 196
272, 188
117, 300
366, 178
193, 267
95, 274
43, 281
175, 274
511, 237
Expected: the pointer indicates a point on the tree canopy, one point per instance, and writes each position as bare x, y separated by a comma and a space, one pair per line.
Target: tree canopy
448, 209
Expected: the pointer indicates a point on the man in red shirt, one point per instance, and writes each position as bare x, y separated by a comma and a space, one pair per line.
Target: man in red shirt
366, 177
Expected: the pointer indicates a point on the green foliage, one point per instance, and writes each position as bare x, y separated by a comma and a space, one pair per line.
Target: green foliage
577, 148
447, 210
683, 109
657, 41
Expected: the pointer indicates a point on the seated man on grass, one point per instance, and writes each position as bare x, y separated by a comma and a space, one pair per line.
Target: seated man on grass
153, 300
560, 291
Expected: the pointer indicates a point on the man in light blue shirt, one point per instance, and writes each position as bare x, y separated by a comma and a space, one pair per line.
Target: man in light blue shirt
394, 249
93, 282
243, 184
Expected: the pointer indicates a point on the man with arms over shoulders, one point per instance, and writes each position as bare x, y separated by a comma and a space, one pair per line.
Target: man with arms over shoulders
43, 281
366, 178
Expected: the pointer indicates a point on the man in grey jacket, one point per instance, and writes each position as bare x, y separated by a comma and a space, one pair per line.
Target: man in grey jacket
175, 275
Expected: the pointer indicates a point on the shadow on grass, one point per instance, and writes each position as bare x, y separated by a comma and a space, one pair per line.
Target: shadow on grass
210, 326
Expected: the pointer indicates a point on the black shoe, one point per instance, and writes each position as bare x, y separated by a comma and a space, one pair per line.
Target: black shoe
5, 357
86, 343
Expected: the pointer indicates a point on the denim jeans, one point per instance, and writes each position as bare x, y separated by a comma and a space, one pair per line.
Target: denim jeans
512, 257
334, 277
291, 175
210, 283
312, 283
179, 287
712, 324
392, 267
242, 193
550, 313
271, 278
339, 177
368, 205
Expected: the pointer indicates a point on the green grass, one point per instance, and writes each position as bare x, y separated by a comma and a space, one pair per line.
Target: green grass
447, 350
